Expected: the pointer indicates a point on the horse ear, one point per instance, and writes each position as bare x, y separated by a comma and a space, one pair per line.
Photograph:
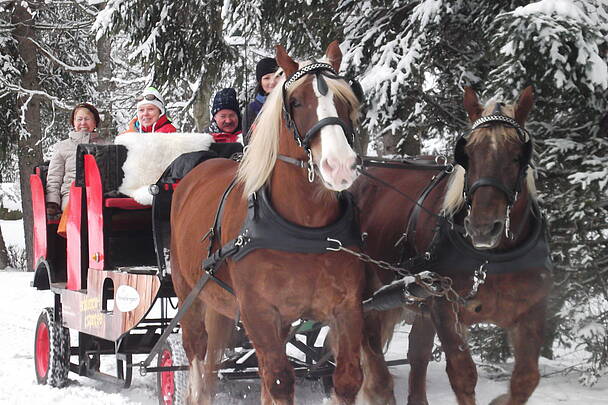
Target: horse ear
285, 61
524, 105
334, 55
471, 104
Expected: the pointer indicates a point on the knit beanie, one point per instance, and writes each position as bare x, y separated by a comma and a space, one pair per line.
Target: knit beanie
265, 66
225, 99
151, 96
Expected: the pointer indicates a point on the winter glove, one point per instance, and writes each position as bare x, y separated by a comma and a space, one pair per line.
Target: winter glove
52, 209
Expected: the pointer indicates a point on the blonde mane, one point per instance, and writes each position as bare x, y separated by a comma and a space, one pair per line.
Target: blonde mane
261, 154
454, 197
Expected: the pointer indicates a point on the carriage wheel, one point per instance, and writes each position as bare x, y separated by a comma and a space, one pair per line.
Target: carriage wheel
51, 350
172, 385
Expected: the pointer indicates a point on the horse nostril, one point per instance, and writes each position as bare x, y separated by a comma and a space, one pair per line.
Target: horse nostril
328, 166
497, 227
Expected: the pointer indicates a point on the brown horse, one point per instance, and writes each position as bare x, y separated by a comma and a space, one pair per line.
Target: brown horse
477, 222
299, 176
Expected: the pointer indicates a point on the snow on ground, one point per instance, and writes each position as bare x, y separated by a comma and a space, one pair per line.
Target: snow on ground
20, 306
12, 231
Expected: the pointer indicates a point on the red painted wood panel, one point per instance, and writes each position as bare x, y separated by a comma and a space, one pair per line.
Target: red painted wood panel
39, 213
73, 234
94, 194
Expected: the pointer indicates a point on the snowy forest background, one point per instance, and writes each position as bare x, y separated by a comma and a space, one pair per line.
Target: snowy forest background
412, 58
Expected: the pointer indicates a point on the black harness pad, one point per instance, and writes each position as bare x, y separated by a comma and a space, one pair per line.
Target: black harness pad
264, 228
454, 253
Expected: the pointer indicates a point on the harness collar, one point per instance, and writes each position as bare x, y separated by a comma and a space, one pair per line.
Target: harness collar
533, 252
264, 228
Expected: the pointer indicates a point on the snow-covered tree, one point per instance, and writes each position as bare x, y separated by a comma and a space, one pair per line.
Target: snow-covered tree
49, 63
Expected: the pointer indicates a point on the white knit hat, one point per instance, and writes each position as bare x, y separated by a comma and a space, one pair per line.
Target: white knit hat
151, 96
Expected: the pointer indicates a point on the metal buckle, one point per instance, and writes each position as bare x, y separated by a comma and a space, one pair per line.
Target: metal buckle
311, 168
441, 160
337, 242
508, 233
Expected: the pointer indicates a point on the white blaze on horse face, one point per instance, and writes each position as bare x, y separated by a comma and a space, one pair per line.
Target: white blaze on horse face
337, 161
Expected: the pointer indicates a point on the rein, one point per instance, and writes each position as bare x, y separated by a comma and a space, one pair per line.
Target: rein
445, 168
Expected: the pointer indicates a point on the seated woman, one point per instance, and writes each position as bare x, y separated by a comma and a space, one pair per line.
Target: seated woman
266, 77
151, 114
62, 168
226, 122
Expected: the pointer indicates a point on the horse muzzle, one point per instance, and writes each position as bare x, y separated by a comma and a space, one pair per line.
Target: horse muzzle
484, 235
339, 173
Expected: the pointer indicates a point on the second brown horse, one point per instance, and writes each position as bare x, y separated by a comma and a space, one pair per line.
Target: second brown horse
479, 224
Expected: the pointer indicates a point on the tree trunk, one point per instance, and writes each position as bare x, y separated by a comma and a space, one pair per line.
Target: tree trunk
30, 150
200, 108
389, 144
105, 86
3, 253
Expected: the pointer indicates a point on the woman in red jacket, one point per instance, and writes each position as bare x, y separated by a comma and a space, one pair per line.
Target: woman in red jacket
151, 114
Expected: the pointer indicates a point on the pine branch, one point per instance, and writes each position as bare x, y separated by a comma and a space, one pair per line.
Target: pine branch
92, 68
32, 93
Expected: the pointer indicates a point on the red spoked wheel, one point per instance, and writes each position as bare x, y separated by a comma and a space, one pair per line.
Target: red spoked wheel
166, 386
172, 385
51, 350
42, 346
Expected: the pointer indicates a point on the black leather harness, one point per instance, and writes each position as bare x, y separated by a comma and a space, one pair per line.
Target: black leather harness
449, 250
454, 251
264, 228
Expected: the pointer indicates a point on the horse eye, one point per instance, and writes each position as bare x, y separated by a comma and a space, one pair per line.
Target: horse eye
295, 103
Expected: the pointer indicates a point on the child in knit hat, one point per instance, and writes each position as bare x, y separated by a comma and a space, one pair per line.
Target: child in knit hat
266, 78
151, 113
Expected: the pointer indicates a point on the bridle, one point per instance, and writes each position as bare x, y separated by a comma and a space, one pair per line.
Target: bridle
320, 70
460, 157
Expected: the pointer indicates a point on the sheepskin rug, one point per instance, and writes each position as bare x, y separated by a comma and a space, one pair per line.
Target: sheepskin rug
150, 154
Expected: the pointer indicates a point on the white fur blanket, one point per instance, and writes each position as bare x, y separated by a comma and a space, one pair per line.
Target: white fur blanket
149, 155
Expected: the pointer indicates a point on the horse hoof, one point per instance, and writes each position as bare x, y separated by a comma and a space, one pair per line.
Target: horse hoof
500, 400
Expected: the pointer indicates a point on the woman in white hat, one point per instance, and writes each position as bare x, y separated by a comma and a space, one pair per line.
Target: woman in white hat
151, 114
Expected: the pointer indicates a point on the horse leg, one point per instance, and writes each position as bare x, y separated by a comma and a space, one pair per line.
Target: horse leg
194, 338
264, 327
219, 330
460, 367
378, 383
347, 326
420, 348
526, 337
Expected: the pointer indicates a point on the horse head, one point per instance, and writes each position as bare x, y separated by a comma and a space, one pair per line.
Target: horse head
495, 155
321, 109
